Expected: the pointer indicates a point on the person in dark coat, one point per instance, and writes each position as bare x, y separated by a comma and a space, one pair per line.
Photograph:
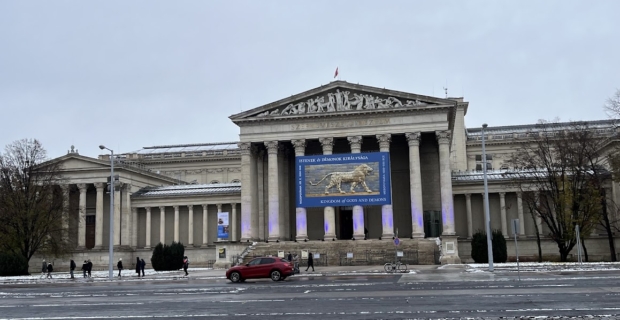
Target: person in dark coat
310, 261
119, 265
290, 257
185, 265
142, 266
49, 270
90, 268
72, 268
85, 267
138, 265
43, 268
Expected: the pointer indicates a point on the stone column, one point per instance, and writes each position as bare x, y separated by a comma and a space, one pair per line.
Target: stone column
301, 224
82, 211
415, 185
247, 194
329, 213
190, 226
162, 225
445, 179
205, 223
233, 222
274, 203
219, 209
99, 216
176, 223
358, 211
520, 213
134, 227
449, 241
387, 216
502, 207
117, 216
126, 216
260, 197
148, 228
65, 188
470, 227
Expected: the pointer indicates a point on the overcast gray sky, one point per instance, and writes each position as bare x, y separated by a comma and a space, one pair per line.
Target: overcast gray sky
129, 74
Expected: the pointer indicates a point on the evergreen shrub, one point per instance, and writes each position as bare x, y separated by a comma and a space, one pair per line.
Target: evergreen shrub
13, 264
479, 247
168, 257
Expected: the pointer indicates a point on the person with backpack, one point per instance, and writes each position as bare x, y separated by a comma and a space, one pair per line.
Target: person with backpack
71, 268
119, 265
185, 265
49, 270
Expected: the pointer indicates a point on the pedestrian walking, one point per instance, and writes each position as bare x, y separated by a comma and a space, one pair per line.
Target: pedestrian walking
185, 265
310, 262
71, 268
119, 265
142, 266
138, 265
43, 269
90, 268
290, 257
85, 268
49, 270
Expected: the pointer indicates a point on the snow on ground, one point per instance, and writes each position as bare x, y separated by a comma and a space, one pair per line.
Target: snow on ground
99, 275
545, 266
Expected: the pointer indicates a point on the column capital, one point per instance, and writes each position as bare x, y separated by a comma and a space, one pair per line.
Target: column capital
245, 147
443, 137
148, 209
190, 207
468, 196
219, 206
327, 143
82, 186
384, 141
162, 208
100, 185
519, 194
502, 194
134, 209
176, 208
234, 205
300, 146
413, 138
127, 187
272, 147
355, 142
205, 206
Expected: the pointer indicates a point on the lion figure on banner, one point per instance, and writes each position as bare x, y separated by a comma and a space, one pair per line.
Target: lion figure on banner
355, 177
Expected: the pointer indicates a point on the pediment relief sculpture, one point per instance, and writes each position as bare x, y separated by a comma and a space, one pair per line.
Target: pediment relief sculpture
340, 101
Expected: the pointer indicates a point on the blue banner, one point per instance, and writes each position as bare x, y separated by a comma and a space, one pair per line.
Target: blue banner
343, 180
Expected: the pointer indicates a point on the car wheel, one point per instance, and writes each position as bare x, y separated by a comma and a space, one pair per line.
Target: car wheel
276, 275
235, 277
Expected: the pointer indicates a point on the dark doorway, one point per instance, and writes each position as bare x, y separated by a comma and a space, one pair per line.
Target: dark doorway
346, 223
432, 224
90, 232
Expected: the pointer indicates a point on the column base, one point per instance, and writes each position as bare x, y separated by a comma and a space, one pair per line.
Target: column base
386, 236
301, 237
330, 237
359, 237
98, 248
204, 245
147, 248
273, 238
449, 250
417, 235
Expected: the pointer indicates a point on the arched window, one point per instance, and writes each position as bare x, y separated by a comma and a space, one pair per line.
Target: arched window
236, 181
214, 182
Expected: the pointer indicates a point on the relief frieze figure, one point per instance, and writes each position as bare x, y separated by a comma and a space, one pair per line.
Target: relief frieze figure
340, 101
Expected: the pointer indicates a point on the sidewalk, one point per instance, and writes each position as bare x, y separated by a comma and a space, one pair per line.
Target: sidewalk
461, 272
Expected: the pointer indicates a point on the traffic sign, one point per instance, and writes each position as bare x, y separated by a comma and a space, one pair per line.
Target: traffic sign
396, 241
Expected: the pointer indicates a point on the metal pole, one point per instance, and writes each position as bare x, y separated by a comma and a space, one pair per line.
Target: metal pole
487, 215
517, 249
112, 187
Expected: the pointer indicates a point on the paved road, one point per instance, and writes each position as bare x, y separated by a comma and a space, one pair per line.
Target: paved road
412, 296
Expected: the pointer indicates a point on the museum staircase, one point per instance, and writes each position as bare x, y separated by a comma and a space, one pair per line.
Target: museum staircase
349, 252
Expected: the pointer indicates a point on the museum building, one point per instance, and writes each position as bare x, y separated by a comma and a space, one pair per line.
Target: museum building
178, 192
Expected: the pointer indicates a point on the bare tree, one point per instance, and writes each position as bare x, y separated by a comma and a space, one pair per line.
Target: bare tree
32, 211
612, 105
561, 176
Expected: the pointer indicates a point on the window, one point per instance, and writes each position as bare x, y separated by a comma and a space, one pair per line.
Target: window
255, 262
214, 182
479, 162
267, 260
235, 181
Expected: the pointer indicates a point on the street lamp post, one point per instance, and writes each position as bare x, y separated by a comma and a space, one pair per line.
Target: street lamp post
112, 186
487, 214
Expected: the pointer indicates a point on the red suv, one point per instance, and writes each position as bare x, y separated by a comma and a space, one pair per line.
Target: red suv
269, 267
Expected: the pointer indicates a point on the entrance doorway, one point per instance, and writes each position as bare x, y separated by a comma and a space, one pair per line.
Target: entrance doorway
90, 232
346, 223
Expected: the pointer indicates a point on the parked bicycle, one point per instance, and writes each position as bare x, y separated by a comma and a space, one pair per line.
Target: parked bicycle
395, 266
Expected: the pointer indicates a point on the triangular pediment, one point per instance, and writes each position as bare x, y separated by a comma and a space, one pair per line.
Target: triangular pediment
340, 97
74, 161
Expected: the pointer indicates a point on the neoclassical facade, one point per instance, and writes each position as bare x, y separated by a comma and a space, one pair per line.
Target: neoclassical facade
174, 193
